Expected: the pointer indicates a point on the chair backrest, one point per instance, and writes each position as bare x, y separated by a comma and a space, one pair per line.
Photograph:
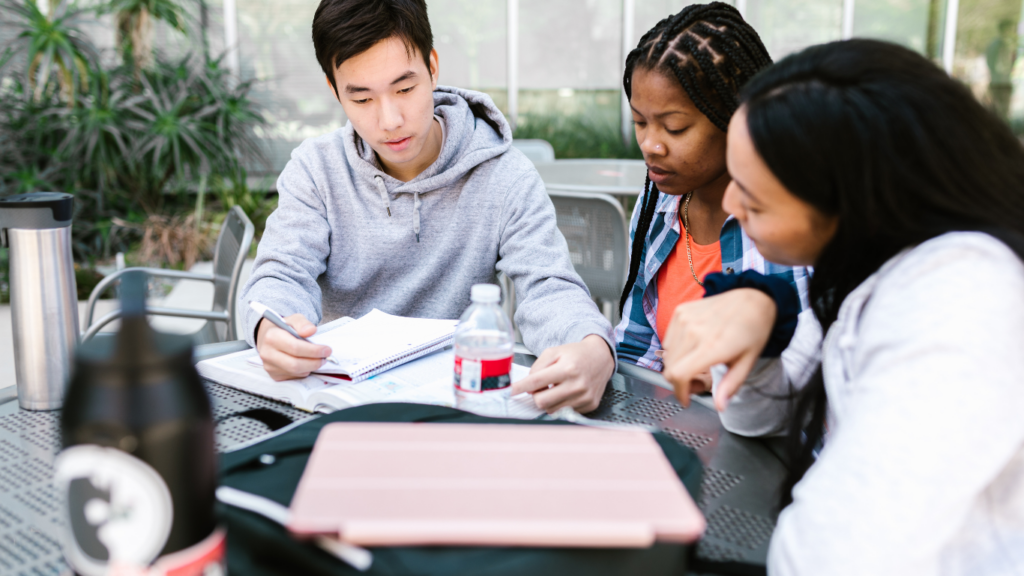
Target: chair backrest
536, 150
232, 248
595, 228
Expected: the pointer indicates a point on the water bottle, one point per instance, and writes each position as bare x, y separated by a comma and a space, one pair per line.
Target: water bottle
483, 354
138, 470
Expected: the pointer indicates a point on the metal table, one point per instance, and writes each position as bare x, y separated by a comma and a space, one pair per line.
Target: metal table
739, 491
616, 177
623, 179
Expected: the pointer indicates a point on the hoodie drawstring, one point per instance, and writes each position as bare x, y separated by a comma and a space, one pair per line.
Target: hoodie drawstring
383, 193
387, 205
416, 215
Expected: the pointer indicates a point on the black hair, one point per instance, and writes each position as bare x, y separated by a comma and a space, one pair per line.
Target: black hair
712, 52
346, 28
879, 137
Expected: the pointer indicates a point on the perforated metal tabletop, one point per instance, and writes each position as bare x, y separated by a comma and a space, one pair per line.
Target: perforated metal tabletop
739, 490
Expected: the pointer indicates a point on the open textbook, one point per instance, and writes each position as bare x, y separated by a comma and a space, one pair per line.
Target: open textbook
428, 380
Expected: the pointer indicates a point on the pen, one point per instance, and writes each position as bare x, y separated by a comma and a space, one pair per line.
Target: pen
276, 319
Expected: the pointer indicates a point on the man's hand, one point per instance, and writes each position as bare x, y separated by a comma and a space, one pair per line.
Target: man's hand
285, 356
731, 328
573, 375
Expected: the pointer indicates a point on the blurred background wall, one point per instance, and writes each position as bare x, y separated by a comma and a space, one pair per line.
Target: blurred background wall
569, 55
554, 67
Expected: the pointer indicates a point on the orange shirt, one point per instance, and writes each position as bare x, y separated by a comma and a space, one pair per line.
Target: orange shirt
675, 282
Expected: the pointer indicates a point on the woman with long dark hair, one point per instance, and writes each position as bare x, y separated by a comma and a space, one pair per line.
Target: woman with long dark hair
902, 390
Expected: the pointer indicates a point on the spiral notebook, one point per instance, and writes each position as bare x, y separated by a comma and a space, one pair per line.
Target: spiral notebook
378, 342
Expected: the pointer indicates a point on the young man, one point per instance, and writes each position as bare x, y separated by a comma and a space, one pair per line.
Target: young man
418, 198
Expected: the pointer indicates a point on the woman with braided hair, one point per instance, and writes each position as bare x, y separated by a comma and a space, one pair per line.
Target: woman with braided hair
682, 82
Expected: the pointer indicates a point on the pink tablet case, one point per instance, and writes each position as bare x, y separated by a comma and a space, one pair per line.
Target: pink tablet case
383, 484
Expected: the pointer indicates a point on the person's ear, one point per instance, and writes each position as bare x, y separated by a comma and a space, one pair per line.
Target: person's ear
334, 90
435, 68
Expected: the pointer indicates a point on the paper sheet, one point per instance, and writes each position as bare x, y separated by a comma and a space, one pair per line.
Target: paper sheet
427, 380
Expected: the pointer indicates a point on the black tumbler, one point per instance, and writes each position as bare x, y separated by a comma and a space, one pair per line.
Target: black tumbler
138, 469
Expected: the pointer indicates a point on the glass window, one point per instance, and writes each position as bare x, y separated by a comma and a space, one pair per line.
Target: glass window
276, 50
786, 26
650, 12
570, 64
916, 24
471, 40
986, 57
570, 44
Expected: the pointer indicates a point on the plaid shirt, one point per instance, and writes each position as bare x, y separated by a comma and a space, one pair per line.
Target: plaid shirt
636, 339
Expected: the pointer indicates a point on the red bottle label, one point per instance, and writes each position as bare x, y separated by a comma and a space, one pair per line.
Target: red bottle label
206, 558
482, 375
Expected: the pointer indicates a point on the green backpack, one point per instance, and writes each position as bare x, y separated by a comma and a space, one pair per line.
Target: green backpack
258, 546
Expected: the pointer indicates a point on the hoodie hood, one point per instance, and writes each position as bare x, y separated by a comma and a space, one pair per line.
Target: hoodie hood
475, 131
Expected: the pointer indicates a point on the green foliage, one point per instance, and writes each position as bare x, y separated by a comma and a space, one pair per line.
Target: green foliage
53, 46
134, 19
133, 142
95, 134
257, 205
174, 121
166, 10
86, 280
5, 279
578, 136
28, 140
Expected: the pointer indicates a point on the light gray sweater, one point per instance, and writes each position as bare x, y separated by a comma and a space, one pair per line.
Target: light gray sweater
331, 249
922, 471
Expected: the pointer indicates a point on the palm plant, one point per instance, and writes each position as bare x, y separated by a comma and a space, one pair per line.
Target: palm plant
135, 27
236, 114
53, 44
173, 123
129, 136
29, 136
5, 284
96, 134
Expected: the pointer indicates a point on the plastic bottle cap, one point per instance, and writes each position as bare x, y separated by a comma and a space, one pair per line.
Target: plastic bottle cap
485, 293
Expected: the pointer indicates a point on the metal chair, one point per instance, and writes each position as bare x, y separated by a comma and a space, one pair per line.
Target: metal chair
596, 229
233, 245
536, 150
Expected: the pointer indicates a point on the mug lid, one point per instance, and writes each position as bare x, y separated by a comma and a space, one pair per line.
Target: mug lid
36, 211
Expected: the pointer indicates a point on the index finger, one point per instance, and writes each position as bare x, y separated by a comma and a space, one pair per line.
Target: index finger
301, 325
681, 368
285, 342
732, 380
541, 379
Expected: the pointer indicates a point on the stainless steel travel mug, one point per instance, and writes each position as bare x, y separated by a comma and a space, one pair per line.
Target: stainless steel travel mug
44, 301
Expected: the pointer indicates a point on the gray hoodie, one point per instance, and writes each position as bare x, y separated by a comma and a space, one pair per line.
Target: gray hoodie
331, 249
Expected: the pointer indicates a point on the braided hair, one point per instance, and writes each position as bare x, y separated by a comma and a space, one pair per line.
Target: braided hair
712, 52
